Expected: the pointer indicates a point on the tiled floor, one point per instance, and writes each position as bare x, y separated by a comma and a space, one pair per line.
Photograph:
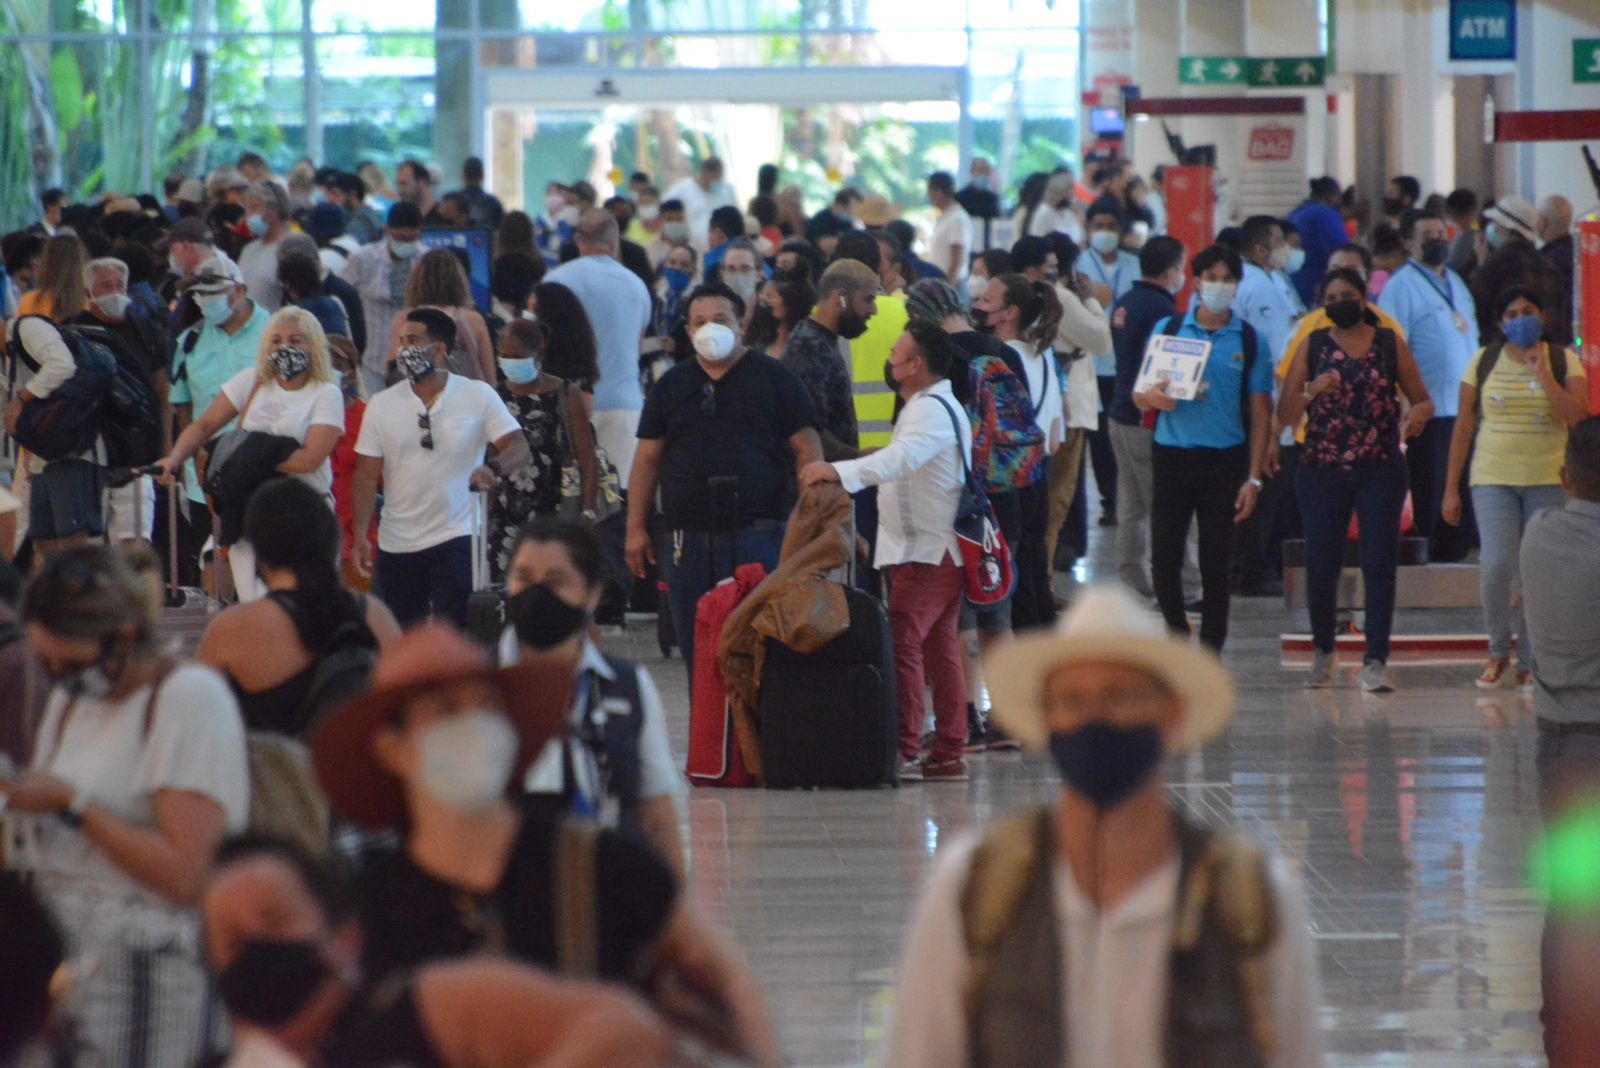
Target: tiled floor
1409, 816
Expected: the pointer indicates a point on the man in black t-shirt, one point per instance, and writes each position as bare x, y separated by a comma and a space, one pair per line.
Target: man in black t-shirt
727, 418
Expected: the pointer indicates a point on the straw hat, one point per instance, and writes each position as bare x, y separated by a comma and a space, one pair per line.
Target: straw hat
876, 212
1106, 625
428, 657
1513, 213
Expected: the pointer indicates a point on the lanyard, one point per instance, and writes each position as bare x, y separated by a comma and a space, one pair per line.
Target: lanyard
587, 788
1446, 291
1100, 269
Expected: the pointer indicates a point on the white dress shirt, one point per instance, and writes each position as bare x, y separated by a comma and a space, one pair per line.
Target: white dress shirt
921, 475
1117, 975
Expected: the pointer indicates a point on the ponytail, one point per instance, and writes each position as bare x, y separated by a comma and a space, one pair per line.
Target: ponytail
1043, 331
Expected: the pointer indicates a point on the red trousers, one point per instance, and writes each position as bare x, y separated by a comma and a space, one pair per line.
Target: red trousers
924, 609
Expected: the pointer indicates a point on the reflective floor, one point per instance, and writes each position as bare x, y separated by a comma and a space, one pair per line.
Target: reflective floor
1408, 815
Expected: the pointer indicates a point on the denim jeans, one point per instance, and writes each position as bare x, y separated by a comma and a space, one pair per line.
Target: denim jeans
1376, 493
1503, 514
685, 560
434, 582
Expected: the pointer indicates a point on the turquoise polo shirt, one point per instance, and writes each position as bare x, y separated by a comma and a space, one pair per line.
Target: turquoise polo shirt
1214, 420
199, 374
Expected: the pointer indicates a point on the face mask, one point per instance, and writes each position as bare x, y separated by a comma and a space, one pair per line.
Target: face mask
174, 266
1525, 332
520, 372
114, 305
256, 225
742, 283
215, 309
845, 217
1435, 252
414, 362
649, 212
714, 342
1495, 236
541, 619
676, 280
1217, 296
1345, 313
467, 759
981, 182
93, 682
1392, 206
553, 204
288, 362
888, 376
1104, 241
1106, 764
268, 983
1293, 259
405, 250
675, 231
532, 317
570, 215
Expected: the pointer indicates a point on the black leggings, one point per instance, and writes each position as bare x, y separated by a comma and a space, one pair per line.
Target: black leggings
1200, 485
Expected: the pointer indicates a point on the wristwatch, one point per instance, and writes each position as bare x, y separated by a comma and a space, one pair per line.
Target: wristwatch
1256, 482
72, 815
494, 465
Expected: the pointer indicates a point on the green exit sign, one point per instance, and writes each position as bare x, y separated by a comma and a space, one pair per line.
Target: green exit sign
1586, 59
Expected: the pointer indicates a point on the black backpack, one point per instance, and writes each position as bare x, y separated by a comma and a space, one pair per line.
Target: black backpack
67, 422
343, 667
130, 424
1491, 356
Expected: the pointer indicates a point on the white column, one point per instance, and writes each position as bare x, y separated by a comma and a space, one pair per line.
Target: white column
1545, 33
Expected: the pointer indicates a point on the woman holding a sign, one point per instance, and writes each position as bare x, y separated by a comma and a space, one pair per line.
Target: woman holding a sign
1209, 378
1347, 380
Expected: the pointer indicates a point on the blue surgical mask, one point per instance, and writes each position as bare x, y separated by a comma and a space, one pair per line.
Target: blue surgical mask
1297, 260
1524, 332
520, 372
256, 225
675, 278
215, 308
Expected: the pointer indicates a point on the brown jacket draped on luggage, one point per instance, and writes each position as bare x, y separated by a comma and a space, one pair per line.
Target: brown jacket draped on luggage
797, 604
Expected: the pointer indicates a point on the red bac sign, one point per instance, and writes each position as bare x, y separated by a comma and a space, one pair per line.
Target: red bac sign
1271, 144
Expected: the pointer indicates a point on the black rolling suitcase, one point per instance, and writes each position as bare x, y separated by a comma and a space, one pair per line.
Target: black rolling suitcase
831, 719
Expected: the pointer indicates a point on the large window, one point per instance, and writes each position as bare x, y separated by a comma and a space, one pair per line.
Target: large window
116, 95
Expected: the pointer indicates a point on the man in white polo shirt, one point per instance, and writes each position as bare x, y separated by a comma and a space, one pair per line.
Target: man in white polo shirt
425, 437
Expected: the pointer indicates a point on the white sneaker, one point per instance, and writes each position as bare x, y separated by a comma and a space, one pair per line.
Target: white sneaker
1375, 677
1322, 665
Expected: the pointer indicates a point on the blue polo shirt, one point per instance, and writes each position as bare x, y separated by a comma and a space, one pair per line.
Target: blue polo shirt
1120, 276
1215, 419
1440, 322
1133, 320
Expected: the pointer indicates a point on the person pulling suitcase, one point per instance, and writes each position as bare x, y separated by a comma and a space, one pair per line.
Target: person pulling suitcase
926, 462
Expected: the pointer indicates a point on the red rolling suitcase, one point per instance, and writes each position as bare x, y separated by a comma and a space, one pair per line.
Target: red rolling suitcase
714, 755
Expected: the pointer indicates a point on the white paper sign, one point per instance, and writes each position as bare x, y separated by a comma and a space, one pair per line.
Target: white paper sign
1180, 362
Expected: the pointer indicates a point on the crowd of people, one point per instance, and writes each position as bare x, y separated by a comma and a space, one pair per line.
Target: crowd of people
319, 821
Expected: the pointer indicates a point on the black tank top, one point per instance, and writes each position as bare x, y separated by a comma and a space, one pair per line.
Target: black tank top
282, 708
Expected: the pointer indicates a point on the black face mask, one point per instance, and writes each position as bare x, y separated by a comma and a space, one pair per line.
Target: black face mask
1345, 313
268, 983
851, 325
888, 376
1392, 206
1106, 764
541, 619
1435, 252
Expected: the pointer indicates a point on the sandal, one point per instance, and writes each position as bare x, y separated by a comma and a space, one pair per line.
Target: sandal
1493, 672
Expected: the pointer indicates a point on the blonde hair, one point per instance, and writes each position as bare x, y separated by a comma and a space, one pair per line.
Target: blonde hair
437, 281
61, 276
90, 592
321, 365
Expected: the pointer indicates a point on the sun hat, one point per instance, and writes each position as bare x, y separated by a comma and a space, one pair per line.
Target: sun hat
433, 655
1107, 625
1514, 213
876, 212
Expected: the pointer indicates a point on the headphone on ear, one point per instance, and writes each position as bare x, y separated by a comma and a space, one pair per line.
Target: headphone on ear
842, 302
